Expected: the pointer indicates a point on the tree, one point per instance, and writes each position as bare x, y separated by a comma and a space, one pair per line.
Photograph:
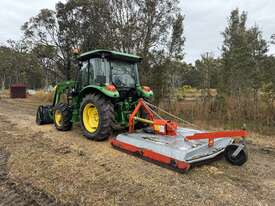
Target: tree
177, 41
17, 65
242, 52
5, 65
209, 69
152, 29
45, 29
273, 39
258, 51
45, 55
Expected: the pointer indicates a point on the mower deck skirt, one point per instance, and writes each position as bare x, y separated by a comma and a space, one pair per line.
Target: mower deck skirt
172, 150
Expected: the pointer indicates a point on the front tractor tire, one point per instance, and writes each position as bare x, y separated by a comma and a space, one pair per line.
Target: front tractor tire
62, 116
96, 117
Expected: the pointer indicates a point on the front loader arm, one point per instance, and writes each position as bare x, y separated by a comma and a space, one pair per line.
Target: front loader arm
60, 89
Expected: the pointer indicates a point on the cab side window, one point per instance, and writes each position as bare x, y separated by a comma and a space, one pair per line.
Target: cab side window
91, 72
97, 72
84, 74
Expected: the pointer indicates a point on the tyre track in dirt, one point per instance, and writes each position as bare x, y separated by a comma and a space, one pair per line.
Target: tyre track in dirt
73, 169
14, 194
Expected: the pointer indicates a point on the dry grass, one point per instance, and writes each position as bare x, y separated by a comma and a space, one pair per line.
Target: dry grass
44, 96
229, 112
4, 93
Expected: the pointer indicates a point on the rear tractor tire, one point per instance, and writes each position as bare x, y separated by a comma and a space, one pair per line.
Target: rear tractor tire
96, 117
62, 116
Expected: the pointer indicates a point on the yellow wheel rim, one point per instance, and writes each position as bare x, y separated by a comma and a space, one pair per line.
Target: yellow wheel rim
90, 117
58, 118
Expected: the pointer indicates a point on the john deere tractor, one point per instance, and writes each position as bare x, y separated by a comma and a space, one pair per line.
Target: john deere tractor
101, 98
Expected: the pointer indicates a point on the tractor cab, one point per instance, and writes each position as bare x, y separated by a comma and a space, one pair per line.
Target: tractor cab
110, 69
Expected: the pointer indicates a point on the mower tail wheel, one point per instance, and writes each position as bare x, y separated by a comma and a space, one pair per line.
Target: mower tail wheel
239, 159
62, 116
44, 115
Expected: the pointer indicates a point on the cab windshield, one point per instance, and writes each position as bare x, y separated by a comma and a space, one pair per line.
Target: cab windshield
124, 74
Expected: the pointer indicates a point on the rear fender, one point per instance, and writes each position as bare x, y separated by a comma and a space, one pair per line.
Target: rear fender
98, 89
143, 93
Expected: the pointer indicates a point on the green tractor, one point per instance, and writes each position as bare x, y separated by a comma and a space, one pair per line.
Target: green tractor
102, 97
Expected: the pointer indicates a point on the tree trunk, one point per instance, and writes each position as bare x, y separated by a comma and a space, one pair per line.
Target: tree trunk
3, 82
68, 68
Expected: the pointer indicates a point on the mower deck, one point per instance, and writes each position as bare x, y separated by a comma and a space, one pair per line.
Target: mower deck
171, 150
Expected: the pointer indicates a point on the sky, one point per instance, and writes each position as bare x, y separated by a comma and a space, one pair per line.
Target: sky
204, 21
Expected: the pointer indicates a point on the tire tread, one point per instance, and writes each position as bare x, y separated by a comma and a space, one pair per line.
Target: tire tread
106, 113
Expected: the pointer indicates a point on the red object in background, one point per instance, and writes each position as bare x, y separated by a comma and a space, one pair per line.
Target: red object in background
18, 91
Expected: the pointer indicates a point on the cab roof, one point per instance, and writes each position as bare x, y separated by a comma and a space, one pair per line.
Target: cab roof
109, 54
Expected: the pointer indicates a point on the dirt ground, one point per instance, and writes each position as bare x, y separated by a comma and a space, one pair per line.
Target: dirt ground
41, 166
